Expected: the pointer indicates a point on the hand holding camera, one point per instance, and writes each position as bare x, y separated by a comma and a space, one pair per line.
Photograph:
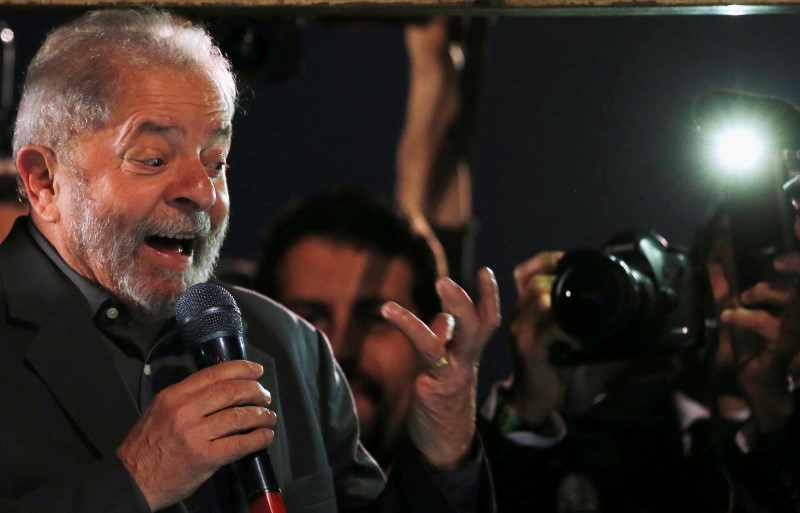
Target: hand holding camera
537, 390
760, 203
638, 297
766, 347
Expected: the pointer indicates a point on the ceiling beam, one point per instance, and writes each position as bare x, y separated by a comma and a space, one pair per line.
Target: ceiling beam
451, 7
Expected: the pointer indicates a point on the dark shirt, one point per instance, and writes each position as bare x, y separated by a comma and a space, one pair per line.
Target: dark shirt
149, 358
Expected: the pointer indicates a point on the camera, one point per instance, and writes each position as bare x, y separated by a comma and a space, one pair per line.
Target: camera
638, 296
757, 193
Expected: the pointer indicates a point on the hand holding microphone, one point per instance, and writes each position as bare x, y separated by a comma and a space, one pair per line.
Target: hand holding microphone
212, 418
211, 326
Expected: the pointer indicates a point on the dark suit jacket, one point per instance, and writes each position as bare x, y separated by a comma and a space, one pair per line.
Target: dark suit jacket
628, 448
64, 408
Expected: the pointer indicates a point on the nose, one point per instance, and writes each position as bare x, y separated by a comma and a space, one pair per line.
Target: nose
347, 350
191, 188
346, 341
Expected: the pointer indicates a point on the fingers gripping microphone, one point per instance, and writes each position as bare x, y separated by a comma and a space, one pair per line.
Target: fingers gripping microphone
210, 324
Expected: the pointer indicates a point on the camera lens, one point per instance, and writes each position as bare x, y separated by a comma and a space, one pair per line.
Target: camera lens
596, 296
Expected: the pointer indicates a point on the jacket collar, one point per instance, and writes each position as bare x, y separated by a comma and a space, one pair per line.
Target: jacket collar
67, 350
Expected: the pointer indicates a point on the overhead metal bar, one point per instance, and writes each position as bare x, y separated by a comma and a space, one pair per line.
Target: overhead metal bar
447, 7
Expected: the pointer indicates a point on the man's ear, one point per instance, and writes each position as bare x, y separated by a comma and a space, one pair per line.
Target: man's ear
36, 165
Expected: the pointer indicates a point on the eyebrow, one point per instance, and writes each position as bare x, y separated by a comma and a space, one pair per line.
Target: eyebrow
308, 307
154, 127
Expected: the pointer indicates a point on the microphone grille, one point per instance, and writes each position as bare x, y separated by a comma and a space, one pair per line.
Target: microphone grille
207, 310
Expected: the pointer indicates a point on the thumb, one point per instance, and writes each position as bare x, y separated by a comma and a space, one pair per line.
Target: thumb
443, 326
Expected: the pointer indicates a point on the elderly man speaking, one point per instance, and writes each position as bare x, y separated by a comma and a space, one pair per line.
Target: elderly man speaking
121, 142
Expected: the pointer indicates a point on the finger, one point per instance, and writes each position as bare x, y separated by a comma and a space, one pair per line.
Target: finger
537, 299
543, 283
467, 338
489, 302
536, 284
788, 263
229, 393
417, 332
443, 326
543, 263
758, 321
234, 369
772, 293
529, 308
238, 420
232, 448
185, 393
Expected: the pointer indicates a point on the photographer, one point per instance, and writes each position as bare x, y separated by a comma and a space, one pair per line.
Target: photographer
611, 435
750, 245
757, 368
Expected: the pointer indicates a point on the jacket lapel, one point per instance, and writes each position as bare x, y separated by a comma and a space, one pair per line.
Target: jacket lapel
67, 351
80, 371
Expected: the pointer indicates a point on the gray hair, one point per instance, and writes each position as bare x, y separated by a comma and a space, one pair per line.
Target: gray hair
73, 81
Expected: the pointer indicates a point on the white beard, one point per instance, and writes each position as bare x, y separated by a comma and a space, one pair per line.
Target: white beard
98, 237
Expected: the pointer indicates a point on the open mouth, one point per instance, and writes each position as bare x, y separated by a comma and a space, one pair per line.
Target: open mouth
182, 244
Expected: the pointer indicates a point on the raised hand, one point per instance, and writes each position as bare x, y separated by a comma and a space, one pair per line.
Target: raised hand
441, 422
764, 345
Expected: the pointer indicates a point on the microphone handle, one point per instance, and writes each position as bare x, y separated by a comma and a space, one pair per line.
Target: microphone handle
255, 470
260, 484
270, 502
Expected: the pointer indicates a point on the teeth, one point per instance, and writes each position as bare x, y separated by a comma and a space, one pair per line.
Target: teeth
180, 236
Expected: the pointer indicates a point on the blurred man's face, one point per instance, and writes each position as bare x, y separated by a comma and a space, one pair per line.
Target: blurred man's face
143, 201
340, 290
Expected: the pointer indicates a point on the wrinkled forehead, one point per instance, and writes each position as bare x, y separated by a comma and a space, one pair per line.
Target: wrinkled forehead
169, 91
132, 72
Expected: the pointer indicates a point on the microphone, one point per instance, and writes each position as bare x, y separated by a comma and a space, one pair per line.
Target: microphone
210, 325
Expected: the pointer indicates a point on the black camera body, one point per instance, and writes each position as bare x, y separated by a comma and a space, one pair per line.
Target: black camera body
637, 297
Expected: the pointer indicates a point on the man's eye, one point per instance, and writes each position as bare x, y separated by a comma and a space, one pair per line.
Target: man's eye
371, 319
220, 167
313, 318
154, 162
318, 321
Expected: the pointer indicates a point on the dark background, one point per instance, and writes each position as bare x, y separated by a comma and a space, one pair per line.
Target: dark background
584, 124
